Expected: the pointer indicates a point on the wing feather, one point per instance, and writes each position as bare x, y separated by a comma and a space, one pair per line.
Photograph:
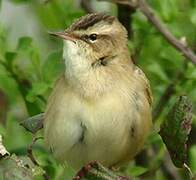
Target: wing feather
142, 77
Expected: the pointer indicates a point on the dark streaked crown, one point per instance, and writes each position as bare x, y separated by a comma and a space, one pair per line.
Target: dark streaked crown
89, 20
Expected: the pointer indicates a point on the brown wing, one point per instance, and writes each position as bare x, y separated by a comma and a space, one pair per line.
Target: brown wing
142, 77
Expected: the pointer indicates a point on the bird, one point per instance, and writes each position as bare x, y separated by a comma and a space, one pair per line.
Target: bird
100, 106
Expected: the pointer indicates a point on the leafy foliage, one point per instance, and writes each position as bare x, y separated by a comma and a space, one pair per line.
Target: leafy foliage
31, 62
175, 130
33, 124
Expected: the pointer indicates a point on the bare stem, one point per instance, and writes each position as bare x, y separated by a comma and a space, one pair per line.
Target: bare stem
30, 151
31, 156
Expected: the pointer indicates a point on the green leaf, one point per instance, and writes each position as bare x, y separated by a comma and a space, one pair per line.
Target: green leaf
24, 43
193, 16
156, 69
3, 70
169, 9
10, 56
52, 67
35, 60
8, 85
175, 130
34, 123
191, 72
138, 170
192, 158
38, 89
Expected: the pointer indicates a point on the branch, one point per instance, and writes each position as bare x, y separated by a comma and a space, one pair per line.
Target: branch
148, 12
30, 151
169, 169
183, 48
31, 156
131, 3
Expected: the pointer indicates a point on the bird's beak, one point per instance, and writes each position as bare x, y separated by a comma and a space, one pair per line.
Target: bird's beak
65, 36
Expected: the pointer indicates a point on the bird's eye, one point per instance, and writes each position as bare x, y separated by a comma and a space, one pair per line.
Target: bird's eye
93, 37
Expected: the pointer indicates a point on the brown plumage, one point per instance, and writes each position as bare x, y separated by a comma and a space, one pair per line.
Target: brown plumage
89, 20
100, 108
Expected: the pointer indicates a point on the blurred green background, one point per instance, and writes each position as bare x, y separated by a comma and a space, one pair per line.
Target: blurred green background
30, 62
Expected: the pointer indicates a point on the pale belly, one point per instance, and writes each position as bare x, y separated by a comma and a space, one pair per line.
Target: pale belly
110, 130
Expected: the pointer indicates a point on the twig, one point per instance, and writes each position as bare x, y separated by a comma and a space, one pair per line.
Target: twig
148, 12
31, 156
168, 168
132, 3
163, 163
30, 151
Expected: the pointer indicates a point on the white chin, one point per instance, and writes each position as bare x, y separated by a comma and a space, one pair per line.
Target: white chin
75, 61
70, 49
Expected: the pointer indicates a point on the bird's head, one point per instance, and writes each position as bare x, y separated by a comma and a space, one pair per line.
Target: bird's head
93, 40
